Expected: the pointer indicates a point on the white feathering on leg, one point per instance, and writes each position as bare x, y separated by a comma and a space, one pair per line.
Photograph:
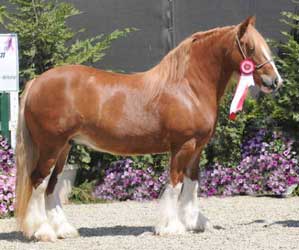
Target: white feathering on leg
36, 222
56, 216
169, 222
189, 207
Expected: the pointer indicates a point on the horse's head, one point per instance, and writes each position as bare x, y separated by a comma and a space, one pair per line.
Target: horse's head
249, 44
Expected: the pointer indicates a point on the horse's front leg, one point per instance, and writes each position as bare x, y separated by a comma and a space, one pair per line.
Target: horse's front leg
178, 204
189, 210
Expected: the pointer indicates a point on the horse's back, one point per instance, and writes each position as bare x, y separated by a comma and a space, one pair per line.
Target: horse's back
58, 98
77, 101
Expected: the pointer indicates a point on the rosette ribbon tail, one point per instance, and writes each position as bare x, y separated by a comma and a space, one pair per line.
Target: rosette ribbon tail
246, 80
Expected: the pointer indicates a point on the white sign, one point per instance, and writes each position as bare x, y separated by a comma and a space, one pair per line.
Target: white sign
9, 62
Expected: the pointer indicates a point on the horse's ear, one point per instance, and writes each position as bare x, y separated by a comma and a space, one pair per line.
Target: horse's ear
252, 20
244, 25
194, 38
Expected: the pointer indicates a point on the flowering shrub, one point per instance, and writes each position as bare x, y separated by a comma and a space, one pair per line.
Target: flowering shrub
7, 178
124, 182
268, 166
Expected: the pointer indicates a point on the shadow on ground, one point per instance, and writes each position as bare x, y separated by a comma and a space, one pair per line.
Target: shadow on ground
254, 222
114, 231
286, 223
13, 236
88, 232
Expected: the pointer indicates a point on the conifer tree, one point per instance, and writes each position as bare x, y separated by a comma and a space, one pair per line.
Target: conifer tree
46, 39
286, 108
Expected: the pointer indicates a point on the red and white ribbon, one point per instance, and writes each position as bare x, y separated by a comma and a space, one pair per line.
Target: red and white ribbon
247, 68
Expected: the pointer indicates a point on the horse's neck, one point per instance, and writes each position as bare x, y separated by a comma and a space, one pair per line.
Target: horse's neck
211, 65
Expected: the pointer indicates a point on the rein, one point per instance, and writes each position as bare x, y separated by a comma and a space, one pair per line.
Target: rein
259, 66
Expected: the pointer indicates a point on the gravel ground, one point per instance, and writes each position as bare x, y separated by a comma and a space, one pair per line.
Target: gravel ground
238, 223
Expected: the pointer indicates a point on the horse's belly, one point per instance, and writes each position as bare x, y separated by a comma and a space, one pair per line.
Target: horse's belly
124, 146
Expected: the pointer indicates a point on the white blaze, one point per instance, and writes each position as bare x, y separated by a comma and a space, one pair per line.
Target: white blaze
268, 57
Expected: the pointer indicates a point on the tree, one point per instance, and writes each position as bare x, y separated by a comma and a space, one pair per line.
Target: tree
45, 38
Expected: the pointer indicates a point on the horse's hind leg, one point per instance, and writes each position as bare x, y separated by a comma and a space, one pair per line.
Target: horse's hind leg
56, 216
36, 222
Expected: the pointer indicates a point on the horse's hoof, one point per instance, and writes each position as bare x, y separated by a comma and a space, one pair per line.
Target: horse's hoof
172, 228
208, 226
45, 233
203, 226
196, 222
66, 230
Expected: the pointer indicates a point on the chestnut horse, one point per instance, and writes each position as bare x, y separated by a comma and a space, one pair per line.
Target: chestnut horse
171, 107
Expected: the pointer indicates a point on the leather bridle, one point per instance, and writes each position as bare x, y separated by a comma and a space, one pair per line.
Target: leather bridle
258, 66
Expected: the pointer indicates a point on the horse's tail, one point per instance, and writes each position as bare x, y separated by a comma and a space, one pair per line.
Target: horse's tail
26, 157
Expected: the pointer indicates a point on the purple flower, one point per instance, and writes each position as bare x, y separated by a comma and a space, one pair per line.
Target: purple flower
125, 182
267, 167
7, 178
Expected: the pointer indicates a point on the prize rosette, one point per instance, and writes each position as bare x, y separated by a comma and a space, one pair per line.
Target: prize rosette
247, 68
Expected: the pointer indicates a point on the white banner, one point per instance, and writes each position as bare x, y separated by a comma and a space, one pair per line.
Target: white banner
9, 62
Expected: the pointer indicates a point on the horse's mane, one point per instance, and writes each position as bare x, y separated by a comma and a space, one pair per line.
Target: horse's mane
174, 65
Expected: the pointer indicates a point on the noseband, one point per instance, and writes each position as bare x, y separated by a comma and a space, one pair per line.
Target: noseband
259, 66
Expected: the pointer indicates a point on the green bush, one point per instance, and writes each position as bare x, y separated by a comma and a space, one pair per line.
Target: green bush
282, 110
285, 111
45, 38
82, 194
46, 41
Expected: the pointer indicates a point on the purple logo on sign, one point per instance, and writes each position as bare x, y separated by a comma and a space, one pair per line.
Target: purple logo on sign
9, 45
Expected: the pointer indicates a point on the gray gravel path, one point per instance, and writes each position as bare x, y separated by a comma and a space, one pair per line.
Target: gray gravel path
238, 223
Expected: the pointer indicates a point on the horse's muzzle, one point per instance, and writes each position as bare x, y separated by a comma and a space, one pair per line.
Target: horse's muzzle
273, 84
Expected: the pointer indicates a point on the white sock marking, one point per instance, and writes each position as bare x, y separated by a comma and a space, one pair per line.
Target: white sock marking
56, 215
189, 207
169, 222
36, 221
